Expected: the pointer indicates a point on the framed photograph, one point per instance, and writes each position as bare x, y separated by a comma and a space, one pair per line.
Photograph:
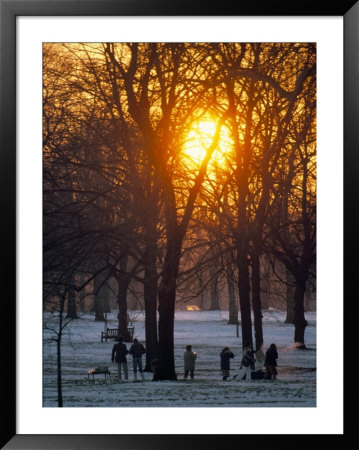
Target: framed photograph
169, 171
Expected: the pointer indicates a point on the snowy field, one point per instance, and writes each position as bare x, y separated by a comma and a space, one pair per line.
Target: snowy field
208, 333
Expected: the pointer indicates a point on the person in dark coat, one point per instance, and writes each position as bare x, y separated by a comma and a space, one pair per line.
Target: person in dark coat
225, 355
189, 359
119, 352
270, 362
137, 350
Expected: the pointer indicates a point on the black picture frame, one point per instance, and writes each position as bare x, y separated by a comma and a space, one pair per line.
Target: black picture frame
9, 10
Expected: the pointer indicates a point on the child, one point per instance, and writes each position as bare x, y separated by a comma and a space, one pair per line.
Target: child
226, 355
189, 358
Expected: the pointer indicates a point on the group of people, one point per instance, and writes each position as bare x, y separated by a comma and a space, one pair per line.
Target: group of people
119, 352
254, 364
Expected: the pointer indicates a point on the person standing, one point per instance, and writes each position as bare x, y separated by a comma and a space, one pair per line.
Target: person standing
271, 362
189, 359
226, 355
119, 352
247, 361
260, 358
137, 350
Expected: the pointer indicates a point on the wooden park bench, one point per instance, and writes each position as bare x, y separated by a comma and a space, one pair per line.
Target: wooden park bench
97, 370
112, 333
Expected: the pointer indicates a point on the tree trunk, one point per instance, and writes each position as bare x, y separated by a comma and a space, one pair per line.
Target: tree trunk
82, 295
244, 300
167, 298
150, 299
58, 351
202, 298
299, 320
233, 308
123, 280
59, 373
123, 283
71, 304
214, 306
290, 298
101, 298
166, 338
243, 156
266, 284
256, 300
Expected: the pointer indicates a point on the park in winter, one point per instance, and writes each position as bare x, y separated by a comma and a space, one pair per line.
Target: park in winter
179, 225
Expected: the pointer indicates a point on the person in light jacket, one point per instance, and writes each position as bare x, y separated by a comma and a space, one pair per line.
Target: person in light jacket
189, 359
260, 358
225, 356
247, 361
258, 373
119, 352
137, 350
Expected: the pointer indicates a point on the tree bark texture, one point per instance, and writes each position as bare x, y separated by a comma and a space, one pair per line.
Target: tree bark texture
150, 299
290, 290
59, 373
101, 298
167, 298
244, 299
123, 281
266, 284
58, 351
71, 304
214, 306
299, 320
233, 308
256, 300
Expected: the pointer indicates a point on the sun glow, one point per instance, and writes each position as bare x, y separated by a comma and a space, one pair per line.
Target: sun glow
200, 138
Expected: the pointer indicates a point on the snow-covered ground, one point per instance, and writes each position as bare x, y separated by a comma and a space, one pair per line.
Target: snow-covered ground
208, 332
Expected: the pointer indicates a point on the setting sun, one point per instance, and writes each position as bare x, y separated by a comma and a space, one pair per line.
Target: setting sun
199, 140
